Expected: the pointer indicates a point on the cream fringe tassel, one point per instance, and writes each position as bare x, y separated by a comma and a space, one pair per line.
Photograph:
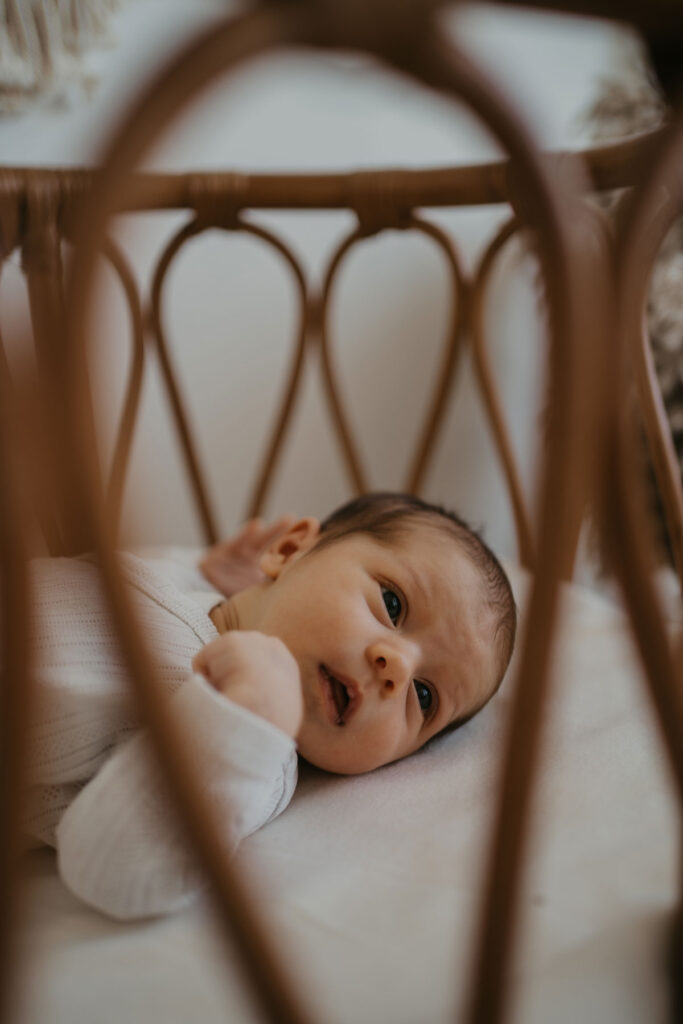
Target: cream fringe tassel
42, 44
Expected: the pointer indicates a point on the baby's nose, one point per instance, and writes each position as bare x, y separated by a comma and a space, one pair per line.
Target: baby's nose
392, 666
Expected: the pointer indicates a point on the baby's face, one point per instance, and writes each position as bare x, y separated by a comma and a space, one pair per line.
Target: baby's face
393, 642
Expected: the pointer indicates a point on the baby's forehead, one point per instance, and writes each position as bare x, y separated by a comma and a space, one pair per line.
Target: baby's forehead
442, 570
439, 529
419, 532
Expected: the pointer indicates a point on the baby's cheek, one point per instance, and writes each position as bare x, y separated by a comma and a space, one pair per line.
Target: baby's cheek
308, 718
391, 735
387, 741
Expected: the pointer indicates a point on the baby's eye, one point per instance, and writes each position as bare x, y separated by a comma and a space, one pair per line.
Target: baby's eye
392, 603
424, 696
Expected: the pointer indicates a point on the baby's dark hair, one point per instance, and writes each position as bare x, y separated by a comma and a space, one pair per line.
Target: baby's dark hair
382, 515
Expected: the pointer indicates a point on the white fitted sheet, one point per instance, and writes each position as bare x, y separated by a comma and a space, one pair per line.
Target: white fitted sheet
372, 883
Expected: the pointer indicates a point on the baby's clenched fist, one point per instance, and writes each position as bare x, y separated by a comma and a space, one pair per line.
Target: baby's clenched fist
259, 673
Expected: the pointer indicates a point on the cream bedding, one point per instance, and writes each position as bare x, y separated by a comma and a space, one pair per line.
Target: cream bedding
372, 884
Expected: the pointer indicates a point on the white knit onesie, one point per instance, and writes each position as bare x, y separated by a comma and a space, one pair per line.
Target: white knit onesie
95, 794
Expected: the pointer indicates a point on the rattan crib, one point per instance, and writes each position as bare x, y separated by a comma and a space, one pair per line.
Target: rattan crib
595, 325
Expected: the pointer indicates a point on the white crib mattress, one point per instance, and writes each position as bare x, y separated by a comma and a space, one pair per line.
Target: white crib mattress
372, 884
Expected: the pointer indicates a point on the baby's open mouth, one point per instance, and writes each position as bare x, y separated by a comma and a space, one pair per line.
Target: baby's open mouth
345, 696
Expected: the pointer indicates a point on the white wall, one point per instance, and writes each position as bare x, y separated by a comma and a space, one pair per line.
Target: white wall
231, 306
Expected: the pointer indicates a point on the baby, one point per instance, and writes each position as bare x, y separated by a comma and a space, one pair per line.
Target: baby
355, 642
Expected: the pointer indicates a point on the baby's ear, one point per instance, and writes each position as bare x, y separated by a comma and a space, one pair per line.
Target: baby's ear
298, 539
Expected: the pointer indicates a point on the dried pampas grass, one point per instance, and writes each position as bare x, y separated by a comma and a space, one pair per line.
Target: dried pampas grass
42, 44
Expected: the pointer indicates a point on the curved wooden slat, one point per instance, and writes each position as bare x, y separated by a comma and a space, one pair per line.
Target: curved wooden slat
41, 250
126, 429
264, 477
664, 210
490, 396
14, 678
627, 529
348, 446
12, 200
199, 489
434, 416
453, 349
293, 384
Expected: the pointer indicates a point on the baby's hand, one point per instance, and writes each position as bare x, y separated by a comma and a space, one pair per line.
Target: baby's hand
233, 564
258, 672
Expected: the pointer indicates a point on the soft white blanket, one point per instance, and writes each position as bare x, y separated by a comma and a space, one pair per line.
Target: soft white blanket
372, 884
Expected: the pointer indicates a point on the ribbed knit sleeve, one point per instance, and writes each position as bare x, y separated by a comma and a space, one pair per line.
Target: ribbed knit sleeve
120, 846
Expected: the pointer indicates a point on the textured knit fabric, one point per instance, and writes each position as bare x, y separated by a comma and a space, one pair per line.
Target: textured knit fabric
95, 791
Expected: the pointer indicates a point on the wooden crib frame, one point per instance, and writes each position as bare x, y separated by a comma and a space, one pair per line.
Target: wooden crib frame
596, 288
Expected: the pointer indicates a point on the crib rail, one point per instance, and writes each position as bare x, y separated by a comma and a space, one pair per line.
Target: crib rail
595, 328
610, 166
39, 208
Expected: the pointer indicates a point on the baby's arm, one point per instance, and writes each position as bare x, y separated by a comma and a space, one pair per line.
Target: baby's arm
120, 845
233, 564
